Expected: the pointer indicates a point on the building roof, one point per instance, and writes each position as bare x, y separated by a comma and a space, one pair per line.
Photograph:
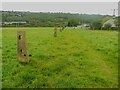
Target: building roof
111, 22
13, 22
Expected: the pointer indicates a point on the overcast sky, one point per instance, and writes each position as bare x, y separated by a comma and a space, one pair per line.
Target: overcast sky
104, 8
60, 0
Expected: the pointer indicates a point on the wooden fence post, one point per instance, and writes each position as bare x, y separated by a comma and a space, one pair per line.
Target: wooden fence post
55, 32
22, 49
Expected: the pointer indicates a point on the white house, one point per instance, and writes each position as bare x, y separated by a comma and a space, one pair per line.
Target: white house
111, 22
84, 26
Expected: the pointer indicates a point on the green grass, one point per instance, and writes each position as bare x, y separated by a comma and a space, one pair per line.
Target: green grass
74, 59
0, 57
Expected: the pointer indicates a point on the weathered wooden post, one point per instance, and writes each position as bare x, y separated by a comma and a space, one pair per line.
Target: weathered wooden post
22, 49
55, 32
60, 28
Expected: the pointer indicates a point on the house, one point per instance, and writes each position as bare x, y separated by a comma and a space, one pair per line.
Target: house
111, 22
83, 26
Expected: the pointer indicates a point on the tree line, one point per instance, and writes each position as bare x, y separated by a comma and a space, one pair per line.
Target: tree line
49, 19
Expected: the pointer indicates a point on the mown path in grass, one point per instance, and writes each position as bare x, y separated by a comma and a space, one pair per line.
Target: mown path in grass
96, 67
73, 59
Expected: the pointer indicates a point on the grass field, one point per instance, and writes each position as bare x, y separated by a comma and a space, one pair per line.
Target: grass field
75, 59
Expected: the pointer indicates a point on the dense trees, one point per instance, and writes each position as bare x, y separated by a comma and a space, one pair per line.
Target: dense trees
96, 26
49, 19
73, 23
117, 22
42, 19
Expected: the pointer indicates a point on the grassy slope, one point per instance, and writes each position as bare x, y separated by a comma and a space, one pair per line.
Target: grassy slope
76, 58
0, 57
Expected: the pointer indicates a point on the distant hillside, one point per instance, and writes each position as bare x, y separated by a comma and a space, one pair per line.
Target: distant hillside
47, 19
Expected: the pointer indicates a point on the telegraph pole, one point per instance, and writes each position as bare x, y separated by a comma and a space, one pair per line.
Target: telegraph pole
114, 10
119, 9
